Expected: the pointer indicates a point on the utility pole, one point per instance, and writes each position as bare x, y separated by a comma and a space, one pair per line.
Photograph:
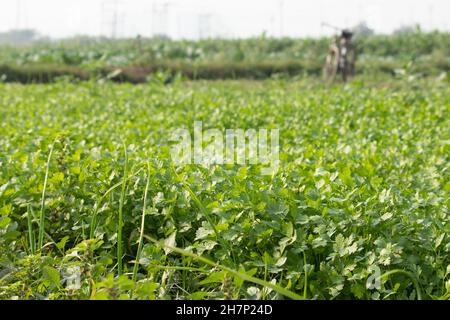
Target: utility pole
272, 27
116, 19
114, 22
281, 8
204, 26
18, 14
153, 18
431, 12
166, 24
360, 13
160, 18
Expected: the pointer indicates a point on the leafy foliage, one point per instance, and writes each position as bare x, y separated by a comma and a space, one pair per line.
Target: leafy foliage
363, 182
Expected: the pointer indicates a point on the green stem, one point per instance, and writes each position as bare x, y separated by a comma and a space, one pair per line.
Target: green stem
283, 291
99, 202
30, 230
205, 212
42, 213
179, 268
305, 285
141, 235
120, 224
408, 274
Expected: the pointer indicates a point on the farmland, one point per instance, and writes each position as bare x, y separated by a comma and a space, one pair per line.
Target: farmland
256, 58
92, 207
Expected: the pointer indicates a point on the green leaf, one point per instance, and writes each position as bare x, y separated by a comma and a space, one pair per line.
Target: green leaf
52, 275
170, 242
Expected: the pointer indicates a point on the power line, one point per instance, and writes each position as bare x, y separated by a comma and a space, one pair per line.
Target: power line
281, 9
19, 14
113, 17
204, 25
160, 18
431, 13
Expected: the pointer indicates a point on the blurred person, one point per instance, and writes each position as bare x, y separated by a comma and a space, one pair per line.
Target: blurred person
341, 58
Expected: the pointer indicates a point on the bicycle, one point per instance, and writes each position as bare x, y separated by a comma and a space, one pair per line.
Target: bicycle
341, 58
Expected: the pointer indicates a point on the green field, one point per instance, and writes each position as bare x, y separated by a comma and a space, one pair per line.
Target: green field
422, 53
363, 183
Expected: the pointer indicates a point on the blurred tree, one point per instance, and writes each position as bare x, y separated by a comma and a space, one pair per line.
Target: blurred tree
18, 36
415, 28
362, 29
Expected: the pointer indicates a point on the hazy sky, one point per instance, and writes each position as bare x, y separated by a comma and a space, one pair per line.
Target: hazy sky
228, 18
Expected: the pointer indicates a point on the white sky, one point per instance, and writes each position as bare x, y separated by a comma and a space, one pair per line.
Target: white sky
227, 18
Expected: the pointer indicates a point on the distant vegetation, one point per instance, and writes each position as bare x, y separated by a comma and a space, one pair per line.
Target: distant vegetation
24, 36
418, 52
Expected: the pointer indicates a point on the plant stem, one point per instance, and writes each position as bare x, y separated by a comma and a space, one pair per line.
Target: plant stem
99, 202
30, 230
283, 291
305, 285
120, 224
408, 274
42, 214
205, 212
141, 235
